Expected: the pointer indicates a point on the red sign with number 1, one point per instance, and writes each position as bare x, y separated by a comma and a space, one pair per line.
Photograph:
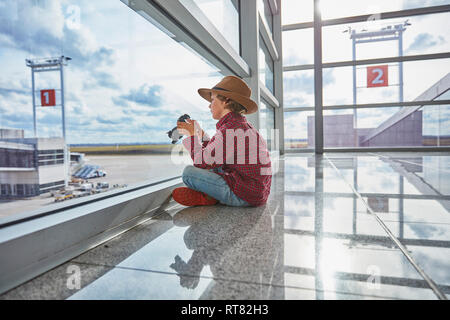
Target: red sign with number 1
48, 98
377, 76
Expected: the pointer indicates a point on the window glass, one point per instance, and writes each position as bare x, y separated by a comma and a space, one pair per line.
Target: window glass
298, 47
382, 85
388, 127
267, 123
296, 11
436, 123
265, 65
378, 127
422, 34
298, 89
224, 14
299, 130
125, 87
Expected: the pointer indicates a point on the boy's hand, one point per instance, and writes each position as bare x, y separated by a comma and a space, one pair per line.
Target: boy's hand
190, 128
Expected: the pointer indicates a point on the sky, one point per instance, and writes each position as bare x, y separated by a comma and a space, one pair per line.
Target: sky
128, 81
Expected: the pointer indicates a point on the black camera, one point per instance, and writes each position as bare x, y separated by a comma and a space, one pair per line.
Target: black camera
174, 134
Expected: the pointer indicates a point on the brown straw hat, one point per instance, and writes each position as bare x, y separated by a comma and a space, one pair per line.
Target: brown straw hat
234, 88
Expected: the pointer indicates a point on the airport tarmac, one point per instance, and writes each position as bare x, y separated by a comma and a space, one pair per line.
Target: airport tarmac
129, 170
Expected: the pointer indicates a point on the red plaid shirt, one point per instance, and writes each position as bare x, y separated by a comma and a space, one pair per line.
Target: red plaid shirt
242, 154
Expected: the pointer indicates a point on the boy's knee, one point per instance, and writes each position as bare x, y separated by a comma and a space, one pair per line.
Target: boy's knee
188, 172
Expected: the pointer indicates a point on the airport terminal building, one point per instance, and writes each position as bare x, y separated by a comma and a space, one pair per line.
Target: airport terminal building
29, 166
354, 94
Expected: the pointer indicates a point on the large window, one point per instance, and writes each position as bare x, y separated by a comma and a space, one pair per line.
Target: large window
125, 87
380, 77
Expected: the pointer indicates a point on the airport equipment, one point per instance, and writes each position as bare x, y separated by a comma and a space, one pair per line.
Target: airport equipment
48, 96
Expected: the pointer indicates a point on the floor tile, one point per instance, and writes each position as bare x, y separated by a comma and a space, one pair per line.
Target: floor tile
58, 283
126, 284
339, 288
325, 257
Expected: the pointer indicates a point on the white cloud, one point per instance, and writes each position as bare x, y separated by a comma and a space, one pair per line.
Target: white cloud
109, 61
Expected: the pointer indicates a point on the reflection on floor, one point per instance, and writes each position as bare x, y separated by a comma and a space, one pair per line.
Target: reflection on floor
329, 231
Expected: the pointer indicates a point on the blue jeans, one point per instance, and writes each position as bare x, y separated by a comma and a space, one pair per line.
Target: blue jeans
212, 184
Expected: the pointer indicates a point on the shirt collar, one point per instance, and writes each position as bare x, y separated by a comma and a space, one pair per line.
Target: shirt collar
229, 116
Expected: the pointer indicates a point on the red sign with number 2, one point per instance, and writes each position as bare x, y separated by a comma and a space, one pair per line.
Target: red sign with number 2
377, 76
48, 98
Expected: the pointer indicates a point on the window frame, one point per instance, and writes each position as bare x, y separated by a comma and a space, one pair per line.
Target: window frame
319, 66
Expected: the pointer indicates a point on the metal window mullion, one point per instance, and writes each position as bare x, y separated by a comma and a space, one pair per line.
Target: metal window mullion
249, 24
299, 109
297, 26
362, 18
419, 57
274, 7
266, 35
318, 93
389, 105
299, 150
268, 96
374, 105
388, 15
432, 56
298, 67
278, 78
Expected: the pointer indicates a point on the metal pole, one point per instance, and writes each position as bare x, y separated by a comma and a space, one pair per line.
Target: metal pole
34, 102
355, 200
400, 208
355, 111
439, 126
354, 68
318, 94
66, 160
400, 66
249, 45
318, 226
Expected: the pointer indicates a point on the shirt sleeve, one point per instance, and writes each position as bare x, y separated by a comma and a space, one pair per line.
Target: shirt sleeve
209, 154
205, 139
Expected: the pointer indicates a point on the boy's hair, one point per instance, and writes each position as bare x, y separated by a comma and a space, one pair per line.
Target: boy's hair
232, 105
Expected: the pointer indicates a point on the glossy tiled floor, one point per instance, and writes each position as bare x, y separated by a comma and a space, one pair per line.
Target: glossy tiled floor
327, 232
